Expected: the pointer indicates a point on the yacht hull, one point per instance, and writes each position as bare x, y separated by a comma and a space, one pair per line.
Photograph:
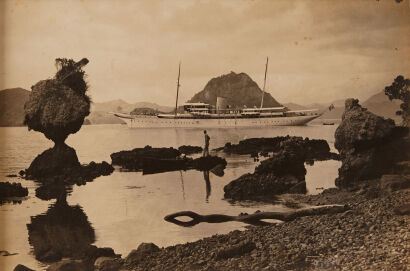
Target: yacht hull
155, 122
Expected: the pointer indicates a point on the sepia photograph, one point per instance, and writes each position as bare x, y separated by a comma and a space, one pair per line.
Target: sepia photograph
204, 135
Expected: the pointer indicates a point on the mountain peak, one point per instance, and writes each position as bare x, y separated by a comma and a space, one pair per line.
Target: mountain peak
238, 88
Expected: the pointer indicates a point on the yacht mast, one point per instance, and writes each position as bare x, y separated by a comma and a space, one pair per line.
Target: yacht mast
178, 85
264, 82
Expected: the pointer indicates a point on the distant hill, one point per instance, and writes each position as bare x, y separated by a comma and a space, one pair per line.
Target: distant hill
99, 111
293, 106
145, 111
380, 104
100, 117
124, 107
12, 106
239, 90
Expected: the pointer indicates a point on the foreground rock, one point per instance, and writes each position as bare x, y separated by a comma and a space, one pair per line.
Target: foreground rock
369, 145
21, 267
67, 264
369, 236
315, 149
143, 250
9, 190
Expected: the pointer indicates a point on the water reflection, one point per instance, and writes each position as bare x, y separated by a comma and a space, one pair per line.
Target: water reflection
207, 184
63, 231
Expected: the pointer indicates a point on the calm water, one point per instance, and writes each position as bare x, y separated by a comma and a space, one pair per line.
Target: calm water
127, 208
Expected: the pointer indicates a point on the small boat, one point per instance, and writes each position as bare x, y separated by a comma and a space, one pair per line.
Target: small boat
328, 123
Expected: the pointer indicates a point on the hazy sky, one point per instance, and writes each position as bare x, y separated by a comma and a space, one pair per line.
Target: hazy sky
319, 50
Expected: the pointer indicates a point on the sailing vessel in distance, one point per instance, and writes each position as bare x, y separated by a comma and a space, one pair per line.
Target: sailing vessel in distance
221, 115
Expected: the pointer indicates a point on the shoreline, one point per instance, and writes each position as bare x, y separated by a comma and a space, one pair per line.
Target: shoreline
368, 236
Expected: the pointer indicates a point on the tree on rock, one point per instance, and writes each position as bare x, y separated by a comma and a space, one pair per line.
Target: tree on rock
399, 89
57, 107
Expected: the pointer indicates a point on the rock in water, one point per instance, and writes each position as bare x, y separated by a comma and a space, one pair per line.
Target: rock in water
282, 173
8, 189
369, 145
208, 162
57, 107
187, 149
21, 267
55, 161
313, 149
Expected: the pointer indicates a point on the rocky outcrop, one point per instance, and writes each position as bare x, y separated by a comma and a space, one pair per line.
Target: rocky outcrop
155, 160
8, 190
57, 107
108, 264
314, 149
369, 145
207, 163
187, 149
238, 89
60, 166
21, 267
134, 159
393, 182
284, 172
68, 265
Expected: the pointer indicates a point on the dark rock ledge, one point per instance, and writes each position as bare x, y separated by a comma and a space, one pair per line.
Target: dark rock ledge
9, 191
284, 172
155, 160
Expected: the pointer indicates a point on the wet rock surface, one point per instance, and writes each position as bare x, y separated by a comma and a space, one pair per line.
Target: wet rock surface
59, 166
370, 236
263, 187
134, 159
155, 160
9, 190
21, 267
108, 264
187, 149
207, 163
284, 172
143, 250
317, 149
369, 145
67, 264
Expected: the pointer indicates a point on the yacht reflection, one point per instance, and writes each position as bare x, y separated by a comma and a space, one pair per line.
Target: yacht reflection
63, 231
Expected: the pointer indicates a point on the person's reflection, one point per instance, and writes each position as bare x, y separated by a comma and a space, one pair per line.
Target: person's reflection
208, 184
63, 231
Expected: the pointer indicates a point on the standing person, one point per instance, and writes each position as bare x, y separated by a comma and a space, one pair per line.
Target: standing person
206, 149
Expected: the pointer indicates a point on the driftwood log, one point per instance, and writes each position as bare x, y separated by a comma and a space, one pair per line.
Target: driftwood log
254, 219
